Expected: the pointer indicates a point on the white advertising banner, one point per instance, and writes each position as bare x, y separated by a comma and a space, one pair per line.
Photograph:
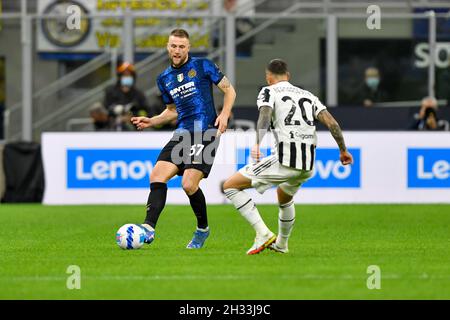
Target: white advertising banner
114, 168
97, 34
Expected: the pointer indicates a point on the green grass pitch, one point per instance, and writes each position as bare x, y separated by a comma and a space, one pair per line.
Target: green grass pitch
330, 250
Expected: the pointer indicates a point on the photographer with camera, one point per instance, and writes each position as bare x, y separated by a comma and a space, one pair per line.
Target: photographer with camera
427, 118
124, 100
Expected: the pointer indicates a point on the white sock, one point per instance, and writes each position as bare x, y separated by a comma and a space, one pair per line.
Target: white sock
286, 220
248, 210
148, 227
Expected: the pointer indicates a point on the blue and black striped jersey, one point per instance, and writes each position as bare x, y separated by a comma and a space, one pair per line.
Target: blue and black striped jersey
189, 87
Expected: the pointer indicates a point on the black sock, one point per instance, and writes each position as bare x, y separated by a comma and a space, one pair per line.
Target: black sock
156, 202
198, 204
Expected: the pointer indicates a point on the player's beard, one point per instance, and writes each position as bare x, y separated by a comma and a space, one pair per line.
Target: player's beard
182, 61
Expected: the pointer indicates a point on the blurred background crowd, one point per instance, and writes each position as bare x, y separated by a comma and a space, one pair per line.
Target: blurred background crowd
95, 77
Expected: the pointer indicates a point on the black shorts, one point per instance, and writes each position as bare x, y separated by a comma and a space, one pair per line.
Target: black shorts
191, 151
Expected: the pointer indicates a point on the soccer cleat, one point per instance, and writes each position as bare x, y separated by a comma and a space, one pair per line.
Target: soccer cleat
276, 248
198, 240
149, 234
261, 243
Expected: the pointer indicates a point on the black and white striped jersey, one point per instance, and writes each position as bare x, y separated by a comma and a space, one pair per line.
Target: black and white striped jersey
293, 122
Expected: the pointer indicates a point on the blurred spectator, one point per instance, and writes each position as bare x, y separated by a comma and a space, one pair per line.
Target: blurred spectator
157, 107
100, 117
370, 91
427, 118
123, 100
427, 103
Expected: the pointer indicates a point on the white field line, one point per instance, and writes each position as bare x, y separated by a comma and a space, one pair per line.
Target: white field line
222, 277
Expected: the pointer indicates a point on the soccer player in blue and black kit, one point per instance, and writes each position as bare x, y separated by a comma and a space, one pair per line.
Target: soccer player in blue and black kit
186, 87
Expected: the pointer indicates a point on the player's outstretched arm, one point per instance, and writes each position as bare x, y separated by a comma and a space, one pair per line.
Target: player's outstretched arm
328, 120
168, 115
228, 100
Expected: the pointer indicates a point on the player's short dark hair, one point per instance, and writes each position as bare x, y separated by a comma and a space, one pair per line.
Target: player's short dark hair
180, 33
277, 66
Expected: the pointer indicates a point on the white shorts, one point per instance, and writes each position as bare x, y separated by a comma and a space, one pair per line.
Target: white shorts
270, 172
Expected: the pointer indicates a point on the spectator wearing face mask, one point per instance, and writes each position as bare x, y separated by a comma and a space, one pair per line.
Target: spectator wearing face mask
369, 93
124, 100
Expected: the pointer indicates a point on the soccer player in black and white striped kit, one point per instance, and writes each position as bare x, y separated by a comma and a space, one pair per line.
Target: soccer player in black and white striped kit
292, 113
